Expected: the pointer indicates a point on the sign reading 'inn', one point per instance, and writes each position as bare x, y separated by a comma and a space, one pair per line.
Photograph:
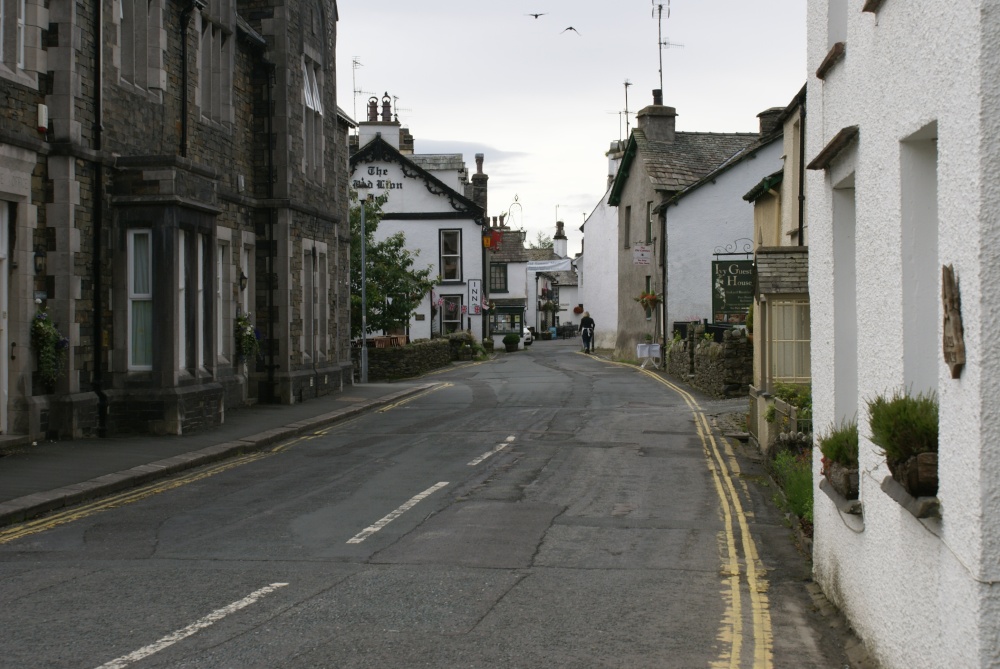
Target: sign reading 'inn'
732, 291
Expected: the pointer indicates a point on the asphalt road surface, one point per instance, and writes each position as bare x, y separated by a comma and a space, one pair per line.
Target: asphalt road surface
545, 509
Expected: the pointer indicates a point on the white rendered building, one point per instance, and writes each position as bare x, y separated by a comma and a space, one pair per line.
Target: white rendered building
903, 144
430, 200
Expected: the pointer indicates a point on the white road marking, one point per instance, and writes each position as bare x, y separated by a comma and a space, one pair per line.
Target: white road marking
372, 529
496, 449
193, 628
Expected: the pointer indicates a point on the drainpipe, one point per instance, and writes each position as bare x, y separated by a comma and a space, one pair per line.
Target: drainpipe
802, 172
97, 380
664, 247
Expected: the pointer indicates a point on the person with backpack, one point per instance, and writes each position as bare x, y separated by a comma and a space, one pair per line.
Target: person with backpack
587, 332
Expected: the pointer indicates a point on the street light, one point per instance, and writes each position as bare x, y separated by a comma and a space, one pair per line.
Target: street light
363, 197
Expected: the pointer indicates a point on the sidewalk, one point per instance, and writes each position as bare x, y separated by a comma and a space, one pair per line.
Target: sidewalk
36, 479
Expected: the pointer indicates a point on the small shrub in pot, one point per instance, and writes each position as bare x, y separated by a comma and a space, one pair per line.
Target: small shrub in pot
905, 427
840, 458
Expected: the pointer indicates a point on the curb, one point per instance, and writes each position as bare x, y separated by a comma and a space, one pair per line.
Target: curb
30, 506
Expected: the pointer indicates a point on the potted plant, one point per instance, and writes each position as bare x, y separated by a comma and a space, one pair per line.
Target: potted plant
840, 458
510, 342
906, 428
649, 338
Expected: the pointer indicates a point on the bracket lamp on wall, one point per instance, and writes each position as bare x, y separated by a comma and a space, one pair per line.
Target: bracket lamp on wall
40, 260
243, 280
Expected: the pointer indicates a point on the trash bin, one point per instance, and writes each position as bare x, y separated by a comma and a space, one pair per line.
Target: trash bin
552, 331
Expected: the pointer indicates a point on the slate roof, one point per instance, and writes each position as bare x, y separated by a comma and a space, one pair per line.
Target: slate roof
541, 254
439, 161
782, 269
747, 152
673, 166
511, 248
564, 278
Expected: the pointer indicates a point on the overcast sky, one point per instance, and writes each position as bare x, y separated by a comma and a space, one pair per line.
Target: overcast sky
544, 103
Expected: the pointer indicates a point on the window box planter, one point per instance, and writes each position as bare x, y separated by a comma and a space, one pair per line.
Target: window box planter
918, 474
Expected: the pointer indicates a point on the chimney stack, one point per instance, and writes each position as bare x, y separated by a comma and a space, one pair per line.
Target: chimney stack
560, 245
769, 120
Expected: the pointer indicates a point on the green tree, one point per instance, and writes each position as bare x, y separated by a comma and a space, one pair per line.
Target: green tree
542, 241
394, 287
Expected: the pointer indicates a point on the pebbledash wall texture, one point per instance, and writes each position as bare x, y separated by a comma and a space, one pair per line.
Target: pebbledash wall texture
166, 168
903, 148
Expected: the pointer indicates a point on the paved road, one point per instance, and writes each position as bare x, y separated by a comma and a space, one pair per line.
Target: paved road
546, 509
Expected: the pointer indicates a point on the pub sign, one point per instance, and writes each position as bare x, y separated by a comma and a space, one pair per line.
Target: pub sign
732, 291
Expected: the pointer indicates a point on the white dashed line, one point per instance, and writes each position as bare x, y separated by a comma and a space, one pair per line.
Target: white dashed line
193, 628
372, 529
496, 449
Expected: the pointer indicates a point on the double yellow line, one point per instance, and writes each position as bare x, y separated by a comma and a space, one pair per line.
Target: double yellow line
723, 467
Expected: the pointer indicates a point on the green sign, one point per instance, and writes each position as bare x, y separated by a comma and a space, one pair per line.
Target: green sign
732, 291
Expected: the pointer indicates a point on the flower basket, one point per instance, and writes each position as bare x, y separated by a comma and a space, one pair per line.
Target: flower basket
578, 309
649, 300
247, 339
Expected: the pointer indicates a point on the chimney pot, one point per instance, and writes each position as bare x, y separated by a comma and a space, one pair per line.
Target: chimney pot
479, 163
657, 96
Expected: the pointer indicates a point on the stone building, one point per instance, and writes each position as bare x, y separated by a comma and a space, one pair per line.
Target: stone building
166, 168
657, 163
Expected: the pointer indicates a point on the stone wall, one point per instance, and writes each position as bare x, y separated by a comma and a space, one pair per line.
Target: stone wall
720, 370
402, 362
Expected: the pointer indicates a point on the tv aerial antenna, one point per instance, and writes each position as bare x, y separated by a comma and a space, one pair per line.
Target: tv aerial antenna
628, 128
662, 44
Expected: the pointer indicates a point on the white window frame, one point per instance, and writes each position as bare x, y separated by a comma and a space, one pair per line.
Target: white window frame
215, 63
312, 119
182, 334
135, 296
458, 301
798, 340
442, 256
309, 303
200, 339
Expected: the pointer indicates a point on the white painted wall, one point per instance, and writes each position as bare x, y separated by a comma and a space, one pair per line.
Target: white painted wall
919, 84
713, 215
409, 195
599, 272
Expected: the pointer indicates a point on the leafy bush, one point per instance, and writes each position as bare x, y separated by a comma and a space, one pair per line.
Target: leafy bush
904, 425
793, 472
50, 346
840, 444
511, 339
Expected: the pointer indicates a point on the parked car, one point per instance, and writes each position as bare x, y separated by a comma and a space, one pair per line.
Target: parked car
527, 336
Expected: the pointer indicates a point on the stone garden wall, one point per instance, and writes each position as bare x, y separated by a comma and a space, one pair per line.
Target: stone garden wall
718, 369
401, 362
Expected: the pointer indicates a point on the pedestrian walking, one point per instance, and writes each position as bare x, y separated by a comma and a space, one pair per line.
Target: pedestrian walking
587, 332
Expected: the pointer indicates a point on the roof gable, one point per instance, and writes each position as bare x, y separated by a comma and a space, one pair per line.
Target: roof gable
673, 166
380, 151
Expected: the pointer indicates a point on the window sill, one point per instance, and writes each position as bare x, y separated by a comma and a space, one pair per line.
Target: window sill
919, 507
836, 54
851, 510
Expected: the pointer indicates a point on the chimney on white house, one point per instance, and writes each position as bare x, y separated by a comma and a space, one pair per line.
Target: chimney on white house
559, 242
374, 126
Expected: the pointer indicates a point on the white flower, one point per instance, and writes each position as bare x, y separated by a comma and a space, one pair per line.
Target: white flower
38, 301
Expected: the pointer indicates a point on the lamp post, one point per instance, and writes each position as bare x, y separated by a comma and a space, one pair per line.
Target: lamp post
363, 197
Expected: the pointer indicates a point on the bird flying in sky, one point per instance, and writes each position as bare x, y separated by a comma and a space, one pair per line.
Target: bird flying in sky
573, 29
536, 15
